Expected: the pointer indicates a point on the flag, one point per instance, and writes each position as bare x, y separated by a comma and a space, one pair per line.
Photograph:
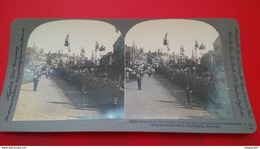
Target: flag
196, 44
67, 41
202, 47
82, 51
97, 46
165, 40
102, 48
141, 50
182, 49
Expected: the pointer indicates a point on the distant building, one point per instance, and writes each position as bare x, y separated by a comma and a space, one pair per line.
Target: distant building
107, 59
35, 56
217, 44
215, 56
128, 56
118, 51
135, 56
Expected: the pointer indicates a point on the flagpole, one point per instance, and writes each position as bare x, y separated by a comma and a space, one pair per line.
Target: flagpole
95, 57
196, 58
69, 50
95, 53
196, 48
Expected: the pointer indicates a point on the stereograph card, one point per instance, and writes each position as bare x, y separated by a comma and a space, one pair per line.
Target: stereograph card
141, 75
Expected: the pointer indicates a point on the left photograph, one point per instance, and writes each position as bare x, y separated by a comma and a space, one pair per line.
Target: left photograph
74, 70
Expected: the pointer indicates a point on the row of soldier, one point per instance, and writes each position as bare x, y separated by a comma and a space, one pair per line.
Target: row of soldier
97, 85
200, 83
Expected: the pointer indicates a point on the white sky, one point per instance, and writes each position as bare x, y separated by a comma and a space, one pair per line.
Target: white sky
181, 32
82, 33
149, 35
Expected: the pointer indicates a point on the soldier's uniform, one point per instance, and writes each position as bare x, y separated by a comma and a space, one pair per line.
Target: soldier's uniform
139, 83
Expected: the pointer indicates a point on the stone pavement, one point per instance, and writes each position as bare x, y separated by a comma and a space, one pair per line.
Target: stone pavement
159, 99
54, 100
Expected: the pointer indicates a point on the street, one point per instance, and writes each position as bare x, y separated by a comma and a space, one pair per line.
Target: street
159, 99
55, 100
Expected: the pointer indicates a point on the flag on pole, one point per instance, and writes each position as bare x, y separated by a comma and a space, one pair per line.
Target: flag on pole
181, 50
67, 41
202, 47
82, 51
102, 48
165, 40
196, 44
97, 46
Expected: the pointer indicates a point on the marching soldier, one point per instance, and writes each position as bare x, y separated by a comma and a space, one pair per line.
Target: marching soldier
139, 83
149, 73
83, 95
188, 93
35, 83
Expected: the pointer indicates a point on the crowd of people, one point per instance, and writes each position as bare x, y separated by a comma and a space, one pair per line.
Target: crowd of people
198, 82
102, 84
205, 83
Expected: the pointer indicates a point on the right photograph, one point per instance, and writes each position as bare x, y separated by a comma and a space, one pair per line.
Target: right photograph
174, 69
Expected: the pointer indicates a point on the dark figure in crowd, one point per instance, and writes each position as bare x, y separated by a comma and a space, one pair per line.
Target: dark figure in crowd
35, 83
83, 95
139, 83
70, 79
149, 73
173, 81
47, 74
188, 93
141, 73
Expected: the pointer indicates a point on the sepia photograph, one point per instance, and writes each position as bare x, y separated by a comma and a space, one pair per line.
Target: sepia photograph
125, 75
174, 69
73, 71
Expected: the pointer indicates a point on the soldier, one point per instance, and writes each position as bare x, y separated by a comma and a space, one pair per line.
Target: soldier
139, 83
35, 83
83, 95
70, 79
149, 73
188, 93
47, 74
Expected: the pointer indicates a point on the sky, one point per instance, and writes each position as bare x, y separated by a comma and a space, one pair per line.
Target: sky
148, 35
180, 32
82, 33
